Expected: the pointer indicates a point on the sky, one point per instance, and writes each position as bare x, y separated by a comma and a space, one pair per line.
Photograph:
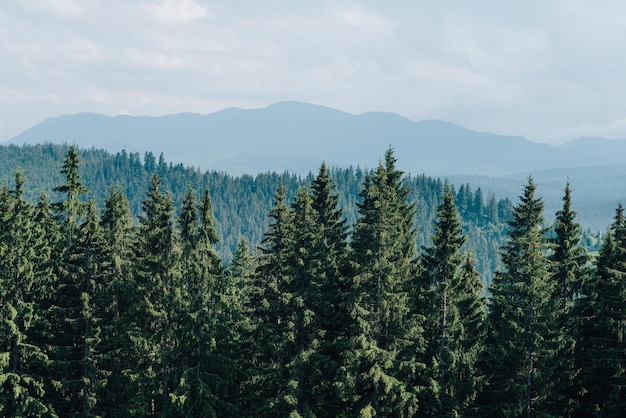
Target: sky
548, 70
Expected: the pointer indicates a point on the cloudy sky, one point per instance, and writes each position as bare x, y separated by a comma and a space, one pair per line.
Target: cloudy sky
549, 70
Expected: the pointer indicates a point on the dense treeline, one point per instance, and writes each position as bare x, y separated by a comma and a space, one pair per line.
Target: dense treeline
242, 203
104, 316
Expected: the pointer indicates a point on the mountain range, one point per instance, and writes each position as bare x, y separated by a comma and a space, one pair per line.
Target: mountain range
297, 137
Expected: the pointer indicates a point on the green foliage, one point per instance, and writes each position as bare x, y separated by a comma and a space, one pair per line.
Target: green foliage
203, 318
137, 311
240, 204
523, 334
383, 338
454, 310
602, 322
156, 301
21, 380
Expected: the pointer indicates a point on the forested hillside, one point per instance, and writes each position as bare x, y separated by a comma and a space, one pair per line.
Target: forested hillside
106, 315
242, 203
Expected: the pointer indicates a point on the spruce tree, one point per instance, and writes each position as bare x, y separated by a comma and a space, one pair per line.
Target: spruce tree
602, 312
375, 353
86, 269
302, 308
22, 360
206, 370
569, 261
520, 350
153, 328
115, 296
264, 389
46, 250
569, 257
329, 258
70, 308
71, 207
453, 300
471, 307
242, 275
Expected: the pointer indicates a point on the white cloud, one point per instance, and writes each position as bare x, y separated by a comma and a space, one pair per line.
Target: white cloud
59, 8
175, 11
545, 69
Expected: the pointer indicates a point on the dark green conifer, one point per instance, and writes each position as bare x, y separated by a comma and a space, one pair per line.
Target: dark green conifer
521, 348
22, 361
302, 305
156, 282
71, 207
376, 352
453, 306
569, 257
115, 296
87, 272
206, 379
569, 261
74, 332
264, 389
601, 310
329, 264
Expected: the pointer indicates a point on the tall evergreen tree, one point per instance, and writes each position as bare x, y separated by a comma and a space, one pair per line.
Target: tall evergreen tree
70, 309
602, 312
569, 257
71, 207
155, 283
206, 372
86, 268
569, 261
264, 389
115, 295
302, 302
242, 276
46, 250
376, 348
453, 298
520, 349
329, 261
471, 307
21, 358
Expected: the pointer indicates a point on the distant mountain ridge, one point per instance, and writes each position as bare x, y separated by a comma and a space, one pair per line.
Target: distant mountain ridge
297, 136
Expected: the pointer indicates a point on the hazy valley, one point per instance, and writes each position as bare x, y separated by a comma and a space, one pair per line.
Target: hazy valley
297, 137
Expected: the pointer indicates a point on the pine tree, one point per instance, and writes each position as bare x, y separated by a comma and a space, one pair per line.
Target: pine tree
241, 271
329, 259
453, 298
520, 350
264, 389
377, 344
302, 305
86, 269
569, 257
602, 312
152, 330
71, 207
471, 307
242, 265
21, 359
70, 311
205, 375
568, 271
115, 296
46, 249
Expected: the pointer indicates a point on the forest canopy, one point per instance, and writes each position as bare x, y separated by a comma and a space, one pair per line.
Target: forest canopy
347, 293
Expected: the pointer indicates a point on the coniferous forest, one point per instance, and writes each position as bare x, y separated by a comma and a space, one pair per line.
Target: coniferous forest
342, 309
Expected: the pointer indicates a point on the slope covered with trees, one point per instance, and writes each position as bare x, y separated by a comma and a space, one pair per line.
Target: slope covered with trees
241, 203
106, 316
